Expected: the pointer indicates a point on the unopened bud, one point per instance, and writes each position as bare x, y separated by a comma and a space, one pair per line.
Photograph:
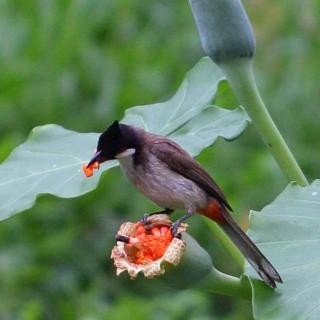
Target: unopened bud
224, 28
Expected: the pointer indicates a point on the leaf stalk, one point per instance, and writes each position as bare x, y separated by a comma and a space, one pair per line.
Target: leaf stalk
226, 242
240, 75
219, 282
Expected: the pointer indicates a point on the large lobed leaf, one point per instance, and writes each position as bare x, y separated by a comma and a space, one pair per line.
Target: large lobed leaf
193, 96
50, 160
288, 232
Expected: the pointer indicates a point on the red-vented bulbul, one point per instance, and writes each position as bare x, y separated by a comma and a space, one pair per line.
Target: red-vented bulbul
171, 178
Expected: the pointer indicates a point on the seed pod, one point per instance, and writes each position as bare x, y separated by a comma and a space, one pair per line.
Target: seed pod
224, 28
147, 249
152, 251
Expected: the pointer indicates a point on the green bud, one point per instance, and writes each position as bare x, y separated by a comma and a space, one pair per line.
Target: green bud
224, 28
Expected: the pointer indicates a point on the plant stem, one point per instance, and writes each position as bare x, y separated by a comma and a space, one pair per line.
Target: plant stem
226, 242
219, 282
239, 73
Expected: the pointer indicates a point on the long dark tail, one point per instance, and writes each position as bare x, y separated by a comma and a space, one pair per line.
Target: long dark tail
250, 251
255, 257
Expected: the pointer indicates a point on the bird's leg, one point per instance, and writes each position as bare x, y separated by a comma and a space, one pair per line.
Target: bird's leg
146, 216
174, 227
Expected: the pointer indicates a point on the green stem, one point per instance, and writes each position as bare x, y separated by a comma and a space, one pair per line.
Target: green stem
219, 282
239, 73
226, 242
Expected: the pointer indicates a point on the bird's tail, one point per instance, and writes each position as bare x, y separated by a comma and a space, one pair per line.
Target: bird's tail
250, 251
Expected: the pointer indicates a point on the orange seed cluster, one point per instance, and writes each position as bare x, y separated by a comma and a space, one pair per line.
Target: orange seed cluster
150, 244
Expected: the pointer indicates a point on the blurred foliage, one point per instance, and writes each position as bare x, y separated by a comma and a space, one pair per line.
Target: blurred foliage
80, 64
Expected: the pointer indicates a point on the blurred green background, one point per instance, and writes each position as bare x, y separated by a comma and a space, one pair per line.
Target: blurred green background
81, 63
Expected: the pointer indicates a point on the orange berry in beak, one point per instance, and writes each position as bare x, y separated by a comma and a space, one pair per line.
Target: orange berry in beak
88, 171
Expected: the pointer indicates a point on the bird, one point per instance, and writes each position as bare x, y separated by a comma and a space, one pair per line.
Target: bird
171, 178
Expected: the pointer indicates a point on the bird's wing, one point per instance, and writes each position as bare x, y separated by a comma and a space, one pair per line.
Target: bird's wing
181, 162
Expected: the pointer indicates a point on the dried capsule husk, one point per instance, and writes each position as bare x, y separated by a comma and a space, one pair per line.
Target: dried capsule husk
125, 254
184, 262
224, 28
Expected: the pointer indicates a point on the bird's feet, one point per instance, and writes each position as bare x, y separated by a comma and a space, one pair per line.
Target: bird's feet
175, 226
144, 219
174, 229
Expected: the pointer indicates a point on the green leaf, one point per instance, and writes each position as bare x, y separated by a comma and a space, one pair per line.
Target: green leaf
194, 95
287, 232
204, 129
51, 160
48, 162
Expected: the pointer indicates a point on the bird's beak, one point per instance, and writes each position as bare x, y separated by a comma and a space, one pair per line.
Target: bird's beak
96, 158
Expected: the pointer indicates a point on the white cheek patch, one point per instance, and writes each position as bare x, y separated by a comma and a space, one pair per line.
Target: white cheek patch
126, 153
